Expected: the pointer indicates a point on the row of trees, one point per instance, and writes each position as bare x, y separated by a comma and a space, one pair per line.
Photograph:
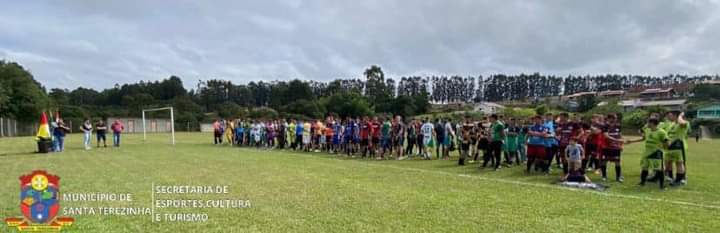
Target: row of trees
22, 97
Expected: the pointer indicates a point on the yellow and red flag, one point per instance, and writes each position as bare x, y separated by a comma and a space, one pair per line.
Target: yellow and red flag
44, 130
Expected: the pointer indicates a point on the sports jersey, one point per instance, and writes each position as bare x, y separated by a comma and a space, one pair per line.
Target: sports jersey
307, 129
427, 130
537, 140
654, 140
329, 130
550, 140
299, 129
566, 131
497, 129
678, 134
614, 131
375, 129
365, 130
385, 130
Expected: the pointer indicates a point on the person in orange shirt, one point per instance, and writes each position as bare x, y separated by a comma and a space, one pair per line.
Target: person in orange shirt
329, 133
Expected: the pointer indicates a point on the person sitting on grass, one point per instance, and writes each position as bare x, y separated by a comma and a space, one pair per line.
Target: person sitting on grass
574, 155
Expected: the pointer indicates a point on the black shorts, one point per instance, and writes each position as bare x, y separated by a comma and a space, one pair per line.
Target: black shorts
364, 142
375, 140
612, 155
483, 144
465, 146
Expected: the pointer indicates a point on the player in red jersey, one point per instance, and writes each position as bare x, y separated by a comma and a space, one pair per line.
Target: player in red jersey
364, 136
612, 134
565, 131
375, 135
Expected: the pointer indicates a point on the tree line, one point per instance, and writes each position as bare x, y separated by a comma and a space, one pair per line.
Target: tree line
22, 97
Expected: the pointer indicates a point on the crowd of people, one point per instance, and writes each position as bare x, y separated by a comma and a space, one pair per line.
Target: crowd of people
59, 130
576, 146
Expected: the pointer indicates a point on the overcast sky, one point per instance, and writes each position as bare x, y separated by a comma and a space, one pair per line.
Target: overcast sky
96, 44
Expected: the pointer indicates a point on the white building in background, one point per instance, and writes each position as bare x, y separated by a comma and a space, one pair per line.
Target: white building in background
488, 108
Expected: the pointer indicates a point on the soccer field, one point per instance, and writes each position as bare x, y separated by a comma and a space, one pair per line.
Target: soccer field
317, 192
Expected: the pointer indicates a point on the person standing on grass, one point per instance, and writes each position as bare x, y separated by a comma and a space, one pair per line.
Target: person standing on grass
565, 131
100, 132
217, 132
375, 125
117, 128
59, 133
613, 147
511, 142
551, 143
536, 143
464, 134
307, 135
522, 142
656, 140
449, 137
291, 134
439, 137
239, 133
428, 134
676, 153
497, 134
411, 137
385, 137
86, 128
398, 137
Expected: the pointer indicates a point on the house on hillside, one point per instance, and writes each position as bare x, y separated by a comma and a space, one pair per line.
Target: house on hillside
611, 94
710, 112
672, 104
657, 94
488, 108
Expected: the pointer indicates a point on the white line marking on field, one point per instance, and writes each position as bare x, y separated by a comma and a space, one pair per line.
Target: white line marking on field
515, 182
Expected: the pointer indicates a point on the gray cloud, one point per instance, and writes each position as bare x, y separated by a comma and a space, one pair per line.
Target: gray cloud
99, 43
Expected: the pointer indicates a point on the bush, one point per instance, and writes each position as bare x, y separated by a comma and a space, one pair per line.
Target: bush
635, 119
263, 113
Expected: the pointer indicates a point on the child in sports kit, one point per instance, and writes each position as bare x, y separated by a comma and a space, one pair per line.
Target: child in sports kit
428, 134
307, 136
536, 143
338, 132
551, 143
511, 142
385, 138
613, 147
656, 140
676, 153
497, 134
566, 130
573, 155
365, 126
375, 136
348, 136
465, 140
398, 136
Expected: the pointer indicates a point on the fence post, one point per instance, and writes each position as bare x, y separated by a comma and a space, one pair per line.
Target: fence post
15, 127
2, 129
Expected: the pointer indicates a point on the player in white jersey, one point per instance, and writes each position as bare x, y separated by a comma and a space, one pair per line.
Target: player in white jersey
428, 134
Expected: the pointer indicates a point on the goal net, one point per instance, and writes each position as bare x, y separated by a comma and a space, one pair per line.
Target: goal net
172, 121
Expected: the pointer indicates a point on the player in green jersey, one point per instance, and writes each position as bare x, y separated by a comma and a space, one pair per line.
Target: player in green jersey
656, 140
677, 130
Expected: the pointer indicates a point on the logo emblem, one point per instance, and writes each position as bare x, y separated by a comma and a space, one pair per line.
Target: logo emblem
39, 203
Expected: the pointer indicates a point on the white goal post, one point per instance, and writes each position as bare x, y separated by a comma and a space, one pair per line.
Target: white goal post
172, 121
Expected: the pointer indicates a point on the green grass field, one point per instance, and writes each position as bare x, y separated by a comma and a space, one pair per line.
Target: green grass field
314, 192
